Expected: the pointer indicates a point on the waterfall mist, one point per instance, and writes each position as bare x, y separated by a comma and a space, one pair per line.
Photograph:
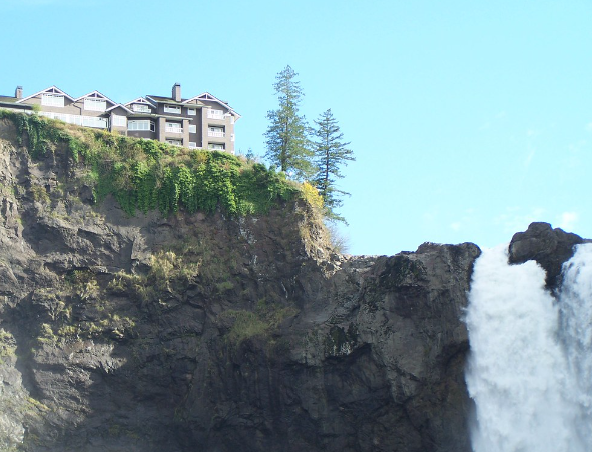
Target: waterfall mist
530, 367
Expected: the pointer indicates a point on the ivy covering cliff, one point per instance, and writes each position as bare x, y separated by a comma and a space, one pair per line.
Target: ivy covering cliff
144, 175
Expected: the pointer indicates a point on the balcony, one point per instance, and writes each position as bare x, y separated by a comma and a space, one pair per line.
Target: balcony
79, 120
173, 129
141, 108
215, 114
172, 109
216, 133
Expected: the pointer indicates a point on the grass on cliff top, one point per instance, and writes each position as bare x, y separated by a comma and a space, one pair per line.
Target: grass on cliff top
145, 175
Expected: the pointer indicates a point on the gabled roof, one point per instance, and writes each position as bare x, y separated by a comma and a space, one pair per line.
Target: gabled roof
119, 105
51, 90
96, 95
209, 97
163, 100
140, 100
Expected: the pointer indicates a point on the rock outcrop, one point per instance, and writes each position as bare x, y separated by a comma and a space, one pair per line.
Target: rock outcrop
549, 247
201, 332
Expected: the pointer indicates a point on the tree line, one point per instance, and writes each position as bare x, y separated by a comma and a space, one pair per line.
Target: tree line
315, 154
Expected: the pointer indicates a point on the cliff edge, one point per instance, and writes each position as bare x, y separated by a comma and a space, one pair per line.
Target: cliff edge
215, 332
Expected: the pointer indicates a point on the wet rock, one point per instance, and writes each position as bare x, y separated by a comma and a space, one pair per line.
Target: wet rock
547, 246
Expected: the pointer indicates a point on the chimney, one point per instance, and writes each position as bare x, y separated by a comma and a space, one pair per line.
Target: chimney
18, 93
176, 92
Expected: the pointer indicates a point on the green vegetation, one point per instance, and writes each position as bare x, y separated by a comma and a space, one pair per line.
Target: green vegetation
340, 342
261, 323
330, 154
80, 288
39, 194
7, 344
303, 152
145, 175
169, 273
287, 142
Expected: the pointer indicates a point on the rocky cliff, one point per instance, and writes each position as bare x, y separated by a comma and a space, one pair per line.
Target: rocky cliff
206, 332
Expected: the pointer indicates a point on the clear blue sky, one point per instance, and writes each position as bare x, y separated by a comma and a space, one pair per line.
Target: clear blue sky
469, 119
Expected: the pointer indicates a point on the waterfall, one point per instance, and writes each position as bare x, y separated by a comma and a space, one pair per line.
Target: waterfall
530, 368
576, 334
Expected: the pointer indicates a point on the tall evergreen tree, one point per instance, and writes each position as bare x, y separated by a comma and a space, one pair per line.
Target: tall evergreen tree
331, 153
288, 146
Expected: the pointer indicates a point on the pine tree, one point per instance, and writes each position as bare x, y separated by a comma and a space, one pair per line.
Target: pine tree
331, 154
288, 146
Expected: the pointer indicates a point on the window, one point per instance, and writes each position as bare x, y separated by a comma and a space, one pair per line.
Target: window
174, 142
95, 104
93, 121
191, 111
216, 132
172, 109
173, 127
52, 100
119, 121
142, 108
192, 145
192, 128
216, 146
215, 114
141, 124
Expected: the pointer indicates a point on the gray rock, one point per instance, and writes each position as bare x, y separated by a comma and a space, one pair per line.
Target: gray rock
549, 247
213, 334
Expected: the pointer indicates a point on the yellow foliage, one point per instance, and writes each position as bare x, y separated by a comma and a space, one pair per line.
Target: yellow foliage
311, 194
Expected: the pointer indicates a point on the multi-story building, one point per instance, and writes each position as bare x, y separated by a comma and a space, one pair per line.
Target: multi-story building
202, 121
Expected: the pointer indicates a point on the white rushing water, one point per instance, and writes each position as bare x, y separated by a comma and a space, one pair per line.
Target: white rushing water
530, 369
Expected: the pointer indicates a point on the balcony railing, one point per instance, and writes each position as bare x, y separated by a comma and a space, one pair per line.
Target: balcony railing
216, 134
215, 114
79, 120
174, 129
141, 108
172, 109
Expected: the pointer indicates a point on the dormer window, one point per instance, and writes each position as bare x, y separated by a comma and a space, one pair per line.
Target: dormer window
52, 100
142, 108
172, 109
95, 104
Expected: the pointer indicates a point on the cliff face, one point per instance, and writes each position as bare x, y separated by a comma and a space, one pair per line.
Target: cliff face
201, 332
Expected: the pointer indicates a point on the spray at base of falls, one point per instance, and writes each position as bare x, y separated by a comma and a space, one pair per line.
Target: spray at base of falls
530, 369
